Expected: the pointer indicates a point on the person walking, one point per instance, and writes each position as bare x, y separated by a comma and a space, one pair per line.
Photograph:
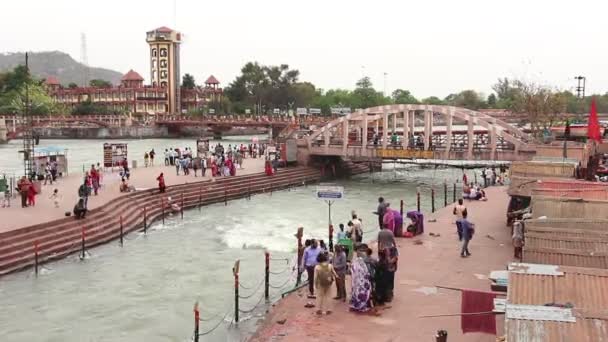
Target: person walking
31, 196
518, 239
23, 186
55, 197
83, 193
203, 166
47, 174
161, 182
309, 261
459, 210
468, 229
167, 157
146, 159
94, 179
339, 263
152, 154
324, 276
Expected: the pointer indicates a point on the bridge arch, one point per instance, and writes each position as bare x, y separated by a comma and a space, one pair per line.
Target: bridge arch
496, 136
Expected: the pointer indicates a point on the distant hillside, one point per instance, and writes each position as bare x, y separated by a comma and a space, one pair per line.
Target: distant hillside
58, 64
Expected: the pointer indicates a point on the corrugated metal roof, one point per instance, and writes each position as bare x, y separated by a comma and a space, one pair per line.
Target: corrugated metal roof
585, 288
567, 232
577, 223
558, 241
566, 257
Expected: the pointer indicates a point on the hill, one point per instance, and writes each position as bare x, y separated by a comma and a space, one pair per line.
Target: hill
58, 64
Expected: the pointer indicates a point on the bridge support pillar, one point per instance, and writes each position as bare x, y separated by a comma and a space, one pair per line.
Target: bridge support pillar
448, 133
364, 133
470, 138
345, 135
427, 129
412, 122
493, 141
3, 131
395, 116
384, 129
406, 125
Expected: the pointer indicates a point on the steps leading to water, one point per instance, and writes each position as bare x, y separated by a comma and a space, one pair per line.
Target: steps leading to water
61, 237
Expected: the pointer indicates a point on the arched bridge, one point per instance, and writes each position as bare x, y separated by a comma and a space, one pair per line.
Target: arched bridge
422, 131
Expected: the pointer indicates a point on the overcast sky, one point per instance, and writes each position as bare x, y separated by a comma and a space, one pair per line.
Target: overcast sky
427, 46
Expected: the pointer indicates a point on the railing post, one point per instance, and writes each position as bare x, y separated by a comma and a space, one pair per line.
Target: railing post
36, 258
432, 199
197, 319
266, 275
121, 232
235, 271
454, 193
401, 208
225, 197
300, 250
145, 220
162, 206
83, 244
418, 200
445, 194
181, 209
475, 175
331, 238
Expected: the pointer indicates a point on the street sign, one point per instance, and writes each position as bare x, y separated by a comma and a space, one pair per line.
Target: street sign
276, 111
340, 110
247, 111
211, 111
330, 192
316, 111
301, 111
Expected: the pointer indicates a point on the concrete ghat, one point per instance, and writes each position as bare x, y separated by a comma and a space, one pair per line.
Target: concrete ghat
61, 237
434, 262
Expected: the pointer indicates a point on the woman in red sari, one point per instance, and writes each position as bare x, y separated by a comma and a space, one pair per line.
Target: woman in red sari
214, 168
161, 182
268, 168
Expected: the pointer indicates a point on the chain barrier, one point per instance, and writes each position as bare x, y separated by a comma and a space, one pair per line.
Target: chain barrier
216, 325
254, 307
280, 272
251, 287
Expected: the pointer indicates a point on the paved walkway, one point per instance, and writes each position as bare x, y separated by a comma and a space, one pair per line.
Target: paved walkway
143, 177
435, 262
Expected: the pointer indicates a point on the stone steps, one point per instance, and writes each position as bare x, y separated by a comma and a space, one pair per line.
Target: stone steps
61, 237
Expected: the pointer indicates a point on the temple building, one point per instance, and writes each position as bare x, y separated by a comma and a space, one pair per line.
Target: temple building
164, 95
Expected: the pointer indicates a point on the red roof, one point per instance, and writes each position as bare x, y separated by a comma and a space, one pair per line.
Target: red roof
132, 76
52, 80
212, 80
164, 29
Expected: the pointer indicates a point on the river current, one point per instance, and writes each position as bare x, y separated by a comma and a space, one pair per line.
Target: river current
145, 290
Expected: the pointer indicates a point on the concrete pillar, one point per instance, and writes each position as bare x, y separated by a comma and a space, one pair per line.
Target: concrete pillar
384, 129
345, 134
395, 121
470, 138
406, 126
493, 142
326, 137
427, 125
364, 133
448, 134
412, 122
3, 131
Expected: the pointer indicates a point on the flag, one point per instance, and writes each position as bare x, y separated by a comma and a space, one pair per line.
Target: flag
593, 128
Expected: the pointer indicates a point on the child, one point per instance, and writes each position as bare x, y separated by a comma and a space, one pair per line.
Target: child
55, 197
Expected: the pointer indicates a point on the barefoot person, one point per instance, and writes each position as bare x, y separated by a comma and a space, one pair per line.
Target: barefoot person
339, 263
467, 234
309, 261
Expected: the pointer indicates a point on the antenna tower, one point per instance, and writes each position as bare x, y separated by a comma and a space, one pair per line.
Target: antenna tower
84, 59
28, 134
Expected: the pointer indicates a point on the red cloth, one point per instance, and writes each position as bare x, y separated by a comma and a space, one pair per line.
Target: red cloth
477, 301
593, 129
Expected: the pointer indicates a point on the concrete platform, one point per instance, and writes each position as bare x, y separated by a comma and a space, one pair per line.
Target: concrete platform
142, 177
435, 262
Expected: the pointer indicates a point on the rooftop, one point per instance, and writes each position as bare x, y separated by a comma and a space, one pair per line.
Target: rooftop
52, 80
132, 76
586, 289
212, 80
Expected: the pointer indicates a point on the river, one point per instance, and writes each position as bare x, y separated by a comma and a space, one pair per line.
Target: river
145, 290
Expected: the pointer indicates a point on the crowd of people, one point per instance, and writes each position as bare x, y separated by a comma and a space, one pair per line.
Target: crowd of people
371, 277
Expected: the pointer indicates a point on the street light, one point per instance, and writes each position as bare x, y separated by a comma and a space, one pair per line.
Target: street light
580, 87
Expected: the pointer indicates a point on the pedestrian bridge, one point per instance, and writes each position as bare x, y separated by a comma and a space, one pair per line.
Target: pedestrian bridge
420, 132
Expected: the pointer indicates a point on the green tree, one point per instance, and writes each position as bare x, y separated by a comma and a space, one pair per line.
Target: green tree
98, 83
467, 98
18, 88
401, 96
188, 81
433, 100
492, 101
72, 85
